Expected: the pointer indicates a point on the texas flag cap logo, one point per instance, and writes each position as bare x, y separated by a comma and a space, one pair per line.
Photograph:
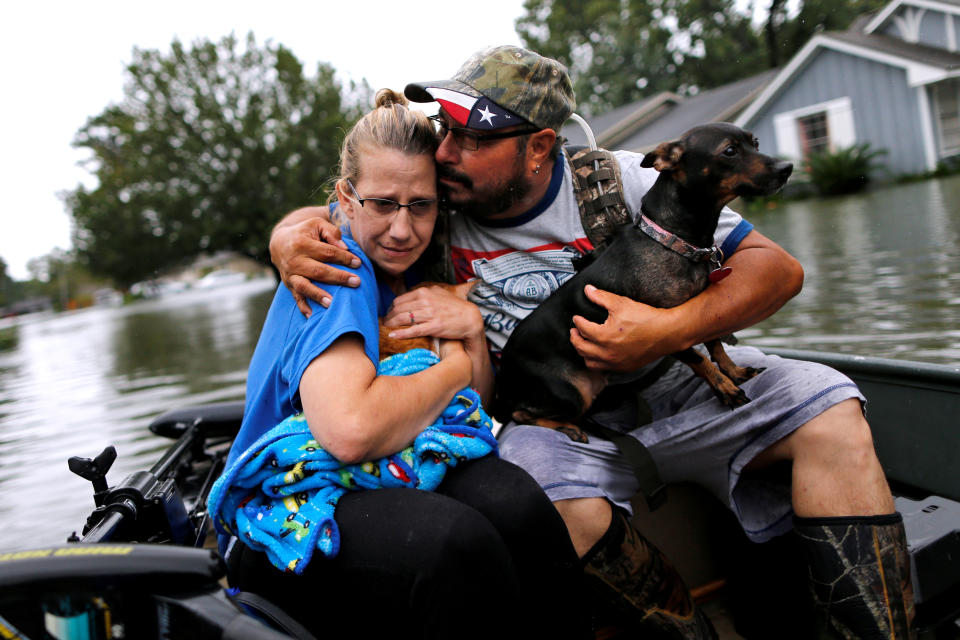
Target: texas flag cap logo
474, 112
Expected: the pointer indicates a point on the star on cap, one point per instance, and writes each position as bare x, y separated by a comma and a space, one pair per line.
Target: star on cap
487, 115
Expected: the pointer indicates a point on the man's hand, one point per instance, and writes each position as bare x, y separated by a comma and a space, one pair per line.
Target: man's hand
634, 334
301, 247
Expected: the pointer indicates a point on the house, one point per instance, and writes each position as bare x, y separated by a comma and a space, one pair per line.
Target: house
891, 80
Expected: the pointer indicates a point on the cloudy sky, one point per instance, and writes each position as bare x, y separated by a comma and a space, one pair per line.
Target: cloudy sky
63, 62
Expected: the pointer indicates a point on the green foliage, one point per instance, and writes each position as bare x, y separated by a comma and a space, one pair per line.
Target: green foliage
61, 278
211, 144
620, 51
6, 284
8, 338
843, 171
815, 16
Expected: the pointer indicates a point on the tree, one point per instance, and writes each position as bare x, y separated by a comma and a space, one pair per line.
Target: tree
815, 16
619, 51
6, 284
209, 147
616, 50
59, 277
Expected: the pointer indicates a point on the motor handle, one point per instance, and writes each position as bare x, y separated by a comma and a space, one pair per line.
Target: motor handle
95, 470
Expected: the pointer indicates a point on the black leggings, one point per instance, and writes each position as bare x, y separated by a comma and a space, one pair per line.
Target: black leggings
485, 555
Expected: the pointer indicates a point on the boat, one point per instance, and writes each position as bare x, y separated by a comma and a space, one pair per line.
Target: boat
144, 566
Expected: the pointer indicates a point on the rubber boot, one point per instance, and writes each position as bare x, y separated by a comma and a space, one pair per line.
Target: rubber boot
625, 569
859, 575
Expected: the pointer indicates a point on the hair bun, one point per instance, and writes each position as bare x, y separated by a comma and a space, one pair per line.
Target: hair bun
388, 98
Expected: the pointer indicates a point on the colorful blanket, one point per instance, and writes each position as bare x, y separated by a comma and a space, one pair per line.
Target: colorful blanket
279, 496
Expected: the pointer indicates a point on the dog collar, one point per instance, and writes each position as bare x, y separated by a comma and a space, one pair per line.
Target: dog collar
689, 251
677, 244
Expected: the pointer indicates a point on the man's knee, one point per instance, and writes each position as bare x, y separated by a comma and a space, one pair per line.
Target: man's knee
587, 519
841, 429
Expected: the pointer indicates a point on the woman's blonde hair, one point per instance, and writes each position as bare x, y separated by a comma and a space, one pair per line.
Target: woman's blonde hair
391, 125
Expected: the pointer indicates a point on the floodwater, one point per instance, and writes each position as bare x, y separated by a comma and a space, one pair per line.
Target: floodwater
881, 273
880, 280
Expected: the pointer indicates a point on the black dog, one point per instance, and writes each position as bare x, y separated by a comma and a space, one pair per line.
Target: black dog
542, 379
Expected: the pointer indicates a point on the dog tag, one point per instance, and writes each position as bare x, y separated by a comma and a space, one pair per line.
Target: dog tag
719, 274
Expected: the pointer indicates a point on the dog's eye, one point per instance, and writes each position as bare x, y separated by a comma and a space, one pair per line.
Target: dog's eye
730, 151
756, 144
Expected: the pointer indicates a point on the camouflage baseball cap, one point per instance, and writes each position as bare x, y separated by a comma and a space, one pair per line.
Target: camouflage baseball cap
498, 85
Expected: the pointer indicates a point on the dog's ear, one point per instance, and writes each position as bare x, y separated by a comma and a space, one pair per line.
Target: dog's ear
665, 157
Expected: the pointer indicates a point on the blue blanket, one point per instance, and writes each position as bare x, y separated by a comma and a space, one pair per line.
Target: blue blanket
279, 496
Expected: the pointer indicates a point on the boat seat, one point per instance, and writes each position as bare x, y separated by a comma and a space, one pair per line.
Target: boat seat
219, 419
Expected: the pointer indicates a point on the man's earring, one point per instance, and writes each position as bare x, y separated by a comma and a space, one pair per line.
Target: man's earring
537, 170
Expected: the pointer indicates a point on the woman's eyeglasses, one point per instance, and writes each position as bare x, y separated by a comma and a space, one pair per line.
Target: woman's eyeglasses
470, 140
384, 207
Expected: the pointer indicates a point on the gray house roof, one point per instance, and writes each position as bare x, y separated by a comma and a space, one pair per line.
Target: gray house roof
641, 125
714, 105
622, 121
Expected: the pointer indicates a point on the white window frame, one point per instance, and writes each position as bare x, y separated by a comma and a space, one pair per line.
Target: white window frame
840, 127
943, 150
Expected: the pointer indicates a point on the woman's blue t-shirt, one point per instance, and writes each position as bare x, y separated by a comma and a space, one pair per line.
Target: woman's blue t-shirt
289, 342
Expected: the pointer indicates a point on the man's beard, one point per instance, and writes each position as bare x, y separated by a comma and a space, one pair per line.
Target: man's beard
484, 205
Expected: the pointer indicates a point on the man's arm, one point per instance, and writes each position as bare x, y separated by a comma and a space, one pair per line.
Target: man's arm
301, 245
764, 277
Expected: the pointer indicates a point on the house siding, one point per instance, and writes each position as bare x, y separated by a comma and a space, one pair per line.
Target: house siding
891, 29
933, 30
881, 100
936, 29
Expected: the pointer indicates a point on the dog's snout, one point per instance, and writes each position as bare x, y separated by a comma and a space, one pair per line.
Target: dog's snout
783, 169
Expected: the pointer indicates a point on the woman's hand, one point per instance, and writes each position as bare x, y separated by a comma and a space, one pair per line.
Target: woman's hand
434, 311
444, 312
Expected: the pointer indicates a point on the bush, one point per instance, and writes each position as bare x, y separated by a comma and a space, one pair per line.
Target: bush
842, 171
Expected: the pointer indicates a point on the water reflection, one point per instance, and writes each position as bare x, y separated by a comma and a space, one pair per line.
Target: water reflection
879, 273
79, 381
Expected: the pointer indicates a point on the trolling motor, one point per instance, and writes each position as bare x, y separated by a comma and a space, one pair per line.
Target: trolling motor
151, 506
145, 507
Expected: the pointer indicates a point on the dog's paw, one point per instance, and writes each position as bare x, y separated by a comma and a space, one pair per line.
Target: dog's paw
732, 398
745, 373
574, 433
568, 429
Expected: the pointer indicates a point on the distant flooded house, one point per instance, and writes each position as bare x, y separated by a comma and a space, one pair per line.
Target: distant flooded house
892, 80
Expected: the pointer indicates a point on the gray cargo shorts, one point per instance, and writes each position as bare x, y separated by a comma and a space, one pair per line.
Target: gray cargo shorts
692, 438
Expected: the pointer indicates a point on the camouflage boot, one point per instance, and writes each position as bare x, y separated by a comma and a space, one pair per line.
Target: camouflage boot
859, 575
624, 568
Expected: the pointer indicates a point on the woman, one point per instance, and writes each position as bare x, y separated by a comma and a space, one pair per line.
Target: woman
411, 563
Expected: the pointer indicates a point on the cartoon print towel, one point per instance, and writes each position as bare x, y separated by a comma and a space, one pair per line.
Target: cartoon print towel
279, 496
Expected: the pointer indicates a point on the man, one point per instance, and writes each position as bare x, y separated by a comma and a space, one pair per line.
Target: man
515, 225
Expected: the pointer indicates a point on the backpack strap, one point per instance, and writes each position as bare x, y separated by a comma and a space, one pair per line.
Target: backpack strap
597, 184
